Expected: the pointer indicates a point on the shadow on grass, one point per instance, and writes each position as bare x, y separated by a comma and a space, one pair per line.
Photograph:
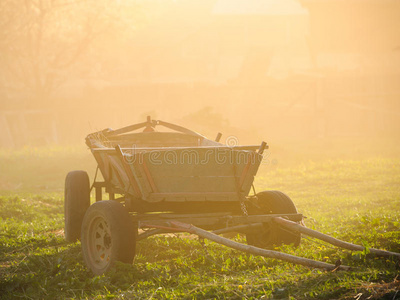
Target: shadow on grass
176, 267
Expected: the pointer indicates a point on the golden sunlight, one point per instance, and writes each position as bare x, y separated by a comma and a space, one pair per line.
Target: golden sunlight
276, 68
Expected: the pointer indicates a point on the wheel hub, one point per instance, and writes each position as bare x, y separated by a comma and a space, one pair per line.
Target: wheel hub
100, 243
107, 241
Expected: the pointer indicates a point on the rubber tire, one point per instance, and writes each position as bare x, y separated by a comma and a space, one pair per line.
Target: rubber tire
120, 235
273, 202
76, 202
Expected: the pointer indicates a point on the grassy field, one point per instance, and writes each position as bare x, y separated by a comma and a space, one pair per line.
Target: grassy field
346, 188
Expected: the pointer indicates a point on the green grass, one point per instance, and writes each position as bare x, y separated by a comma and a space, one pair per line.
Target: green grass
346, 189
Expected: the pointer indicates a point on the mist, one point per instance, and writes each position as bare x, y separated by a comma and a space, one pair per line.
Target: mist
258, 70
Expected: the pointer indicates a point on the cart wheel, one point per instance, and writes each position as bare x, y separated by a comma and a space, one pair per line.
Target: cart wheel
76, 202
108, 235
273, 202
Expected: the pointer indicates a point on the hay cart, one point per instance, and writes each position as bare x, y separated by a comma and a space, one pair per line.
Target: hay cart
174, 180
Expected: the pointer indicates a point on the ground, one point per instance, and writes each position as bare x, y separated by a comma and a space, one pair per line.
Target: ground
346, 188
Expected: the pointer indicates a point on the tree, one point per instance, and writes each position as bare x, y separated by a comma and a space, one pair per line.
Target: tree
44, 43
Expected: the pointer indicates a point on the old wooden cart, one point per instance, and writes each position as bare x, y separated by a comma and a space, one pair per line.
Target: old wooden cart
160, 182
